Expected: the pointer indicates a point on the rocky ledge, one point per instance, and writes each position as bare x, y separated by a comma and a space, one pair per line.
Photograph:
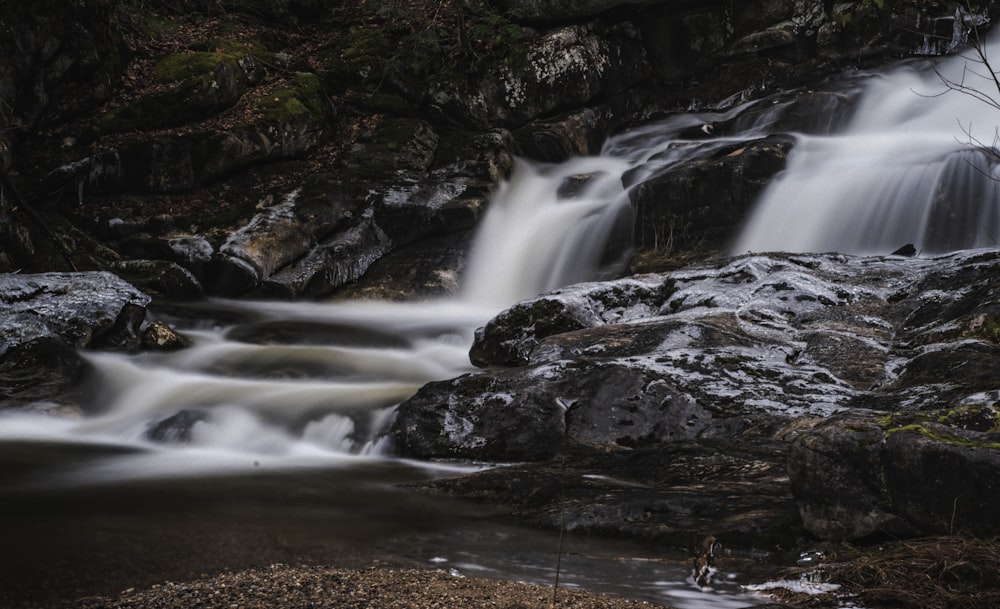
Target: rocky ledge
765, 397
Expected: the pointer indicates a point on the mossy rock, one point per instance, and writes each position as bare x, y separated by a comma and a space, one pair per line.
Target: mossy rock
206, 82
303, 95
397, 145
361, 57
203, 61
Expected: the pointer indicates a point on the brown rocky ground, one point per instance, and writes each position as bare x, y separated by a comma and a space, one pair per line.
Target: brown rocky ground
307, 587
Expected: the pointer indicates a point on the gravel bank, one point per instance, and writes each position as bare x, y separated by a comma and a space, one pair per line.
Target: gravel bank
306, 587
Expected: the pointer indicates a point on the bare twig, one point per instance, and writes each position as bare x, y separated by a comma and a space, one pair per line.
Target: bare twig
562, 528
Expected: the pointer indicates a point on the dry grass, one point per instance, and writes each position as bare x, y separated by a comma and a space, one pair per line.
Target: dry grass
945, 572
929, 573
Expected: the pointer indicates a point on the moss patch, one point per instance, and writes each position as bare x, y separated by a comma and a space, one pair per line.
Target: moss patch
942, 437
302, 95
181, 66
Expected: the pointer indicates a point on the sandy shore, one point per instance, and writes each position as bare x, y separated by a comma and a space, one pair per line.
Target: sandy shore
307, 587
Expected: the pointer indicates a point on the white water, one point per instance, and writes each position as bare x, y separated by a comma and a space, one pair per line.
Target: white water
279, 384
297, 397
905, 171
290, 386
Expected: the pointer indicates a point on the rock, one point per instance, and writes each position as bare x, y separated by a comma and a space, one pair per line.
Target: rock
669, 494
429, 268
510, 337
705, 200
481, 415
59, 61
207, 82
283, 233
158, 336
943, 479
47, 317
161, 278
37, 365
562, 11
331, 264
770, 348
176, 428
173, 164
835, 475
568, 66
854, 477
87, 310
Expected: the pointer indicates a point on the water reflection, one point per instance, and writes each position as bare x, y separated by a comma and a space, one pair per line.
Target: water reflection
64, 540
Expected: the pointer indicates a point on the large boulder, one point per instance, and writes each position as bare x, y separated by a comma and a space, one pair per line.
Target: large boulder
706, 200
812, 350
858, 476
47, 318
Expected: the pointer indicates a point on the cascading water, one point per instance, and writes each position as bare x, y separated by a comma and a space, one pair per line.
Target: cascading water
281, 410
277, 389
906, 170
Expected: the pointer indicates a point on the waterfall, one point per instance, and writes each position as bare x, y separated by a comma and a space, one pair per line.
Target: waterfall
290, 384
547, 227
301, 382
908, 169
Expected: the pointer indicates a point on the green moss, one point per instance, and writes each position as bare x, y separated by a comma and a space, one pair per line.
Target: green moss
916, 427
361, 57
303, 95
181, 66
986, 327
403, 44
974, 417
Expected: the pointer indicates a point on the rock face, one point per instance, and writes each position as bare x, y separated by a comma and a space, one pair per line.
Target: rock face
348, 135
854, 477
758, 347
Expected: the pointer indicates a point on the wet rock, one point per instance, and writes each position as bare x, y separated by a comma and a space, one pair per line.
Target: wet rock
449, 194
36, 366
859, 476
758, 347
284, 232
509, 338
176, 428
47, 317
481, 415
704, 201
158, 336
331, 264
670, 493
84, 309
429, 268
579, 132
161, 278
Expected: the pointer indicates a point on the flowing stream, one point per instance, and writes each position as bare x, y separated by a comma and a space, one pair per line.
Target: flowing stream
266, 440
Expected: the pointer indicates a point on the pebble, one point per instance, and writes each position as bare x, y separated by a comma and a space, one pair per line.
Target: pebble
372, 588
